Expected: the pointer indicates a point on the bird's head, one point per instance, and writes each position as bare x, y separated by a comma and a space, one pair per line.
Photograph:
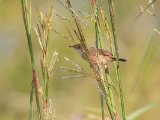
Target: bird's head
78, 48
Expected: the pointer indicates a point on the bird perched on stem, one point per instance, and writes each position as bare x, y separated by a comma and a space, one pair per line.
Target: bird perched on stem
95, 55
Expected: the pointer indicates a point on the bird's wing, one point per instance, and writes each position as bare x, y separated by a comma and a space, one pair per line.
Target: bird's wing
92, 51
104, 52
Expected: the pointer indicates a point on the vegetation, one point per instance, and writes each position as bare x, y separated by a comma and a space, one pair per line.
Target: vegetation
49, 70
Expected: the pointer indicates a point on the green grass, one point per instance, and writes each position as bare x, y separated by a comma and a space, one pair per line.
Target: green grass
105, 30
26, 12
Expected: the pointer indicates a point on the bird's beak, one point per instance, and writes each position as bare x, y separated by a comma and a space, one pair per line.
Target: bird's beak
70, 46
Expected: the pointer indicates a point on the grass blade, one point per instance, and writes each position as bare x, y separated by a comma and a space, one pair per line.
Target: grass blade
26, 12
117, 69
140, 111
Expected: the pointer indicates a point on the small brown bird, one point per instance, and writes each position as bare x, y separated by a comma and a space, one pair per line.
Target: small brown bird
97, 55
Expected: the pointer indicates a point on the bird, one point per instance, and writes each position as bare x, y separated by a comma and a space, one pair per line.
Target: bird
96, 55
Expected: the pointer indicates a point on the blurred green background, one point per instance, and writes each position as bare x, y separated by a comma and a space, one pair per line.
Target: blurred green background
138, 42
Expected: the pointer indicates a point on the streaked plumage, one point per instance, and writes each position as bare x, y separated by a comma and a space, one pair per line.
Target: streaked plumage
97, 55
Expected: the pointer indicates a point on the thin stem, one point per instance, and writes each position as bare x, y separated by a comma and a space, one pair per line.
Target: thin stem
111, 11
26, 9
102, 106
100, 44
31, 101
110, 89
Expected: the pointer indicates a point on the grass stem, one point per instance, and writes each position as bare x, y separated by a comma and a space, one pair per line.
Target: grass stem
26, 11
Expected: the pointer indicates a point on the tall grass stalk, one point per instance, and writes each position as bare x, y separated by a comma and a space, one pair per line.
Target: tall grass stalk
26, 11
102, 106
96, 69
107, 33
105, 85
42, 31
100, 44
115, 46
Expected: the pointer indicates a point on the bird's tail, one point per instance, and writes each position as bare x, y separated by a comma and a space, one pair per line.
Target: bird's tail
120, 59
